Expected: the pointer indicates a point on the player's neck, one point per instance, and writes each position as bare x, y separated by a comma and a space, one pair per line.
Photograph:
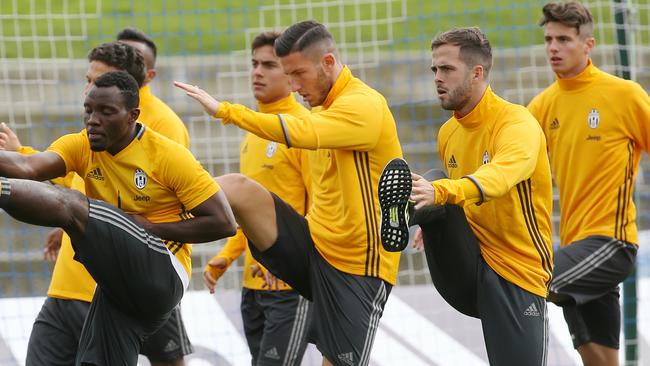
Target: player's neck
118, 147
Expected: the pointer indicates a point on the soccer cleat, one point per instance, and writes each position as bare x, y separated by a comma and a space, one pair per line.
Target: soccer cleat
394, 190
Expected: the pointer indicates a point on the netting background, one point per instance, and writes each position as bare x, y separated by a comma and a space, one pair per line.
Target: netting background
43, 44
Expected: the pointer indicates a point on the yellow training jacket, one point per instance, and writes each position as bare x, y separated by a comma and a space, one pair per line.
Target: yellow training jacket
354, 135
500, 149
281, 170
596, 126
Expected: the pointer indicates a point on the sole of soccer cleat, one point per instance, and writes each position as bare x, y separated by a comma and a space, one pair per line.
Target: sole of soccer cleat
394, 191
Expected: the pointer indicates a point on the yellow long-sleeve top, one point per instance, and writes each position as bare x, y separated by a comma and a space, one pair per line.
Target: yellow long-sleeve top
157, 115
597, 126
354, 135
70, 280
281, 170
498, 171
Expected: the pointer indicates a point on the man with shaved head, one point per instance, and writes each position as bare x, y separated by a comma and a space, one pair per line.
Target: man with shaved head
332, 256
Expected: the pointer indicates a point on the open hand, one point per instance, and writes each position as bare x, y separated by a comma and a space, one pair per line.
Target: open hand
52, 244
210, 104
8, 139
210, 280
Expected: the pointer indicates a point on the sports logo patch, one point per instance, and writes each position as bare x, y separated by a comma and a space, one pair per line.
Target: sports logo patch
271, 148
140, 179
594, 118
486, 157
452, 163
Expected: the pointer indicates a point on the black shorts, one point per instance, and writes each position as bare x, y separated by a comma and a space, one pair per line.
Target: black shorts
585, 283
347, 307
170, 342
56, 331
139, 283
276, 324
514, 321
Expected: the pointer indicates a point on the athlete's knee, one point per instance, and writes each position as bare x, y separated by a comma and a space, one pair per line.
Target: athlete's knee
238, 188
74, 208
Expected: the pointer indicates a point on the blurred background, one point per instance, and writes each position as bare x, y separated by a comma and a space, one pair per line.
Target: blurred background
43, 45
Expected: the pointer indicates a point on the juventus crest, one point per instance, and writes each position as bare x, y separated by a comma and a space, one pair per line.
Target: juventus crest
140, 179
271, 148
594, 118
486, 157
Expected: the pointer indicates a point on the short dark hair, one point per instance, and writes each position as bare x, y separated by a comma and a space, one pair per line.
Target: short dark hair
301, 36
127, 85
136, 35
264, 39
474, 46
571, 14
121, 56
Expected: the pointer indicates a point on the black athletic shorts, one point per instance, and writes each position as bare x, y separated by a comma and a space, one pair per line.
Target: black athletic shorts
170, 342
347, 307
56, 331
585, 283
139, 283
276, 324
514, 321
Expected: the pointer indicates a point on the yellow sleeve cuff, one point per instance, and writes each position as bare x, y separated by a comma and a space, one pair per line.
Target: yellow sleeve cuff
459, 192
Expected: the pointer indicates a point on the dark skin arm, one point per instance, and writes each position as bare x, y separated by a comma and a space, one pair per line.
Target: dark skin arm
213, 219
40, 166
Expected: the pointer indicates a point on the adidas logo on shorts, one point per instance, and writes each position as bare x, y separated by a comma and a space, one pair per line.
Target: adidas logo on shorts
532, 310
171, 346
347, 358
272, 354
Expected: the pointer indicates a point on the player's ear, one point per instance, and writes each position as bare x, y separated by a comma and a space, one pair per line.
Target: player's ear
478, 73
328, 60
134, 114
151, 74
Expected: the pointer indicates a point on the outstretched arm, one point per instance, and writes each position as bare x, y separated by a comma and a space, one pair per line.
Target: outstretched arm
212, 220
361, 115
40, 166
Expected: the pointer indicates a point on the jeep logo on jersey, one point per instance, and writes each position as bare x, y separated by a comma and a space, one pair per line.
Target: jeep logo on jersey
486, 157
140, 179
271, 148
594, 118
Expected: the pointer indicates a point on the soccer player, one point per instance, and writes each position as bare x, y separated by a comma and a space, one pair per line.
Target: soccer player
275, 316
489, 252
154, 113
132, 170
170, 344
56, 330
332, 256
595, 144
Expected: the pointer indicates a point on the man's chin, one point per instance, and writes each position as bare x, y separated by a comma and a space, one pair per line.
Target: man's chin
97, 148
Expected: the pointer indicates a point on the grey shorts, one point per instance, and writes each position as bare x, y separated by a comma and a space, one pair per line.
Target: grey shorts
514, 321
276, 324
347, 307
129, 302
56, 331
170, 342
585, 283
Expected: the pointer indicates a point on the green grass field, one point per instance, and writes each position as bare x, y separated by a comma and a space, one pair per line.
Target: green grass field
68, 28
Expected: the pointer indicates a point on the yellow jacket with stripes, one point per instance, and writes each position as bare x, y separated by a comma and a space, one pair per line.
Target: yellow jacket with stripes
597, 125
354, 136
498, 171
